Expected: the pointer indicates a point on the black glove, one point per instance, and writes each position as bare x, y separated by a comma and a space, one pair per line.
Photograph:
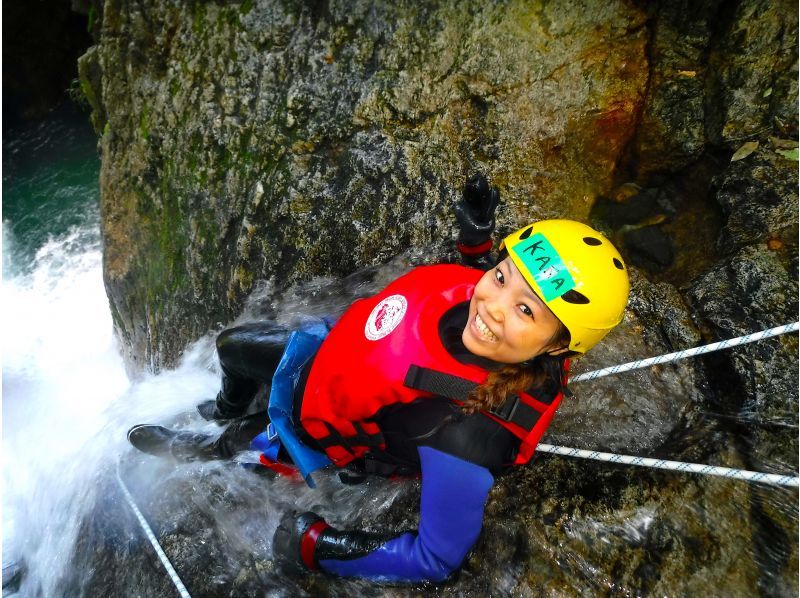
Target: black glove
475, 211
295, 541
302, 540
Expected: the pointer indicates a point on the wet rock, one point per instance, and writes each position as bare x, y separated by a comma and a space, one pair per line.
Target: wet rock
641, 206
755, 390
663, 314
752, 72
112, 554
720, 75
671, 132
649, 247
758, 196
13, 574
750, 292
588, 527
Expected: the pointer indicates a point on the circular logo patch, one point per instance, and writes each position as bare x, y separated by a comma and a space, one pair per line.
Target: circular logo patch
385, 317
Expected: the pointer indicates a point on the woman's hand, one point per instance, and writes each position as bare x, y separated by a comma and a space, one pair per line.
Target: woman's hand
294, 544
475, 211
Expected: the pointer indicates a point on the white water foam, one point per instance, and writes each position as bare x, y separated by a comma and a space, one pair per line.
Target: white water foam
61, 368
67, 401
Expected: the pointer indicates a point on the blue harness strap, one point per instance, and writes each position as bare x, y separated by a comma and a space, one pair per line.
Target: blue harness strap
301, 346
268, 443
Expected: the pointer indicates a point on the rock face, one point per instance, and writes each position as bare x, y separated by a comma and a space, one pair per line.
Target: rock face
245, 141
249, 145
720, 73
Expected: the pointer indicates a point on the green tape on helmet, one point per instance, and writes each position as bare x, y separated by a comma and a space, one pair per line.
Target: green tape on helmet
545, 267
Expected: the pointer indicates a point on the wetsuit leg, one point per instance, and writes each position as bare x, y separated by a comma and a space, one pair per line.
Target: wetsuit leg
248, 356
189, 446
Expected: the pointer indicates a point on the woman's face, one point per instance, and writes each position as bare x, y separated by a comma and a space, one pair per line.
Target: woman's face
508, 323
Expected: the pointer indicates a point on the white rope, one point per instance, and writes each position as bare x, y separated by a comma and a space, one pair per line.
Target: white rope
151, 536
727, 472
643, 363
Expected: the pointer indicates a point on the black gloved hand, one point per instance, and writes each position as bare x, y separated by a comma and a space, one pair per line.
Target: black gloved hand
301, 541
294, 544
475, 211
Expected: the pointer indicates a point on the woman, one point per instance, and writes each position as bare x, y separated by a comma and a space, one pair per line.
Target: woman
449, 371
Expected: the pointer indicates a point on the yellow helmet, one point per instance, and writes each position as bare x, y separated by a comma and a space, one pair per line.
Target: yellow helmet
578, 274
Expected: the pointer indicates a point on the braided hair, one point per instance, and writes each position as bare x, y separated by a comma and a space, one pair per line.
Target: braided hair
544, 372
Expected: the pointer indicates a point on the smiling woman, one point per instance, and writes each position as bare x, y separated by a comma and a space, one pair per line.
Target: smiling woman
449, 371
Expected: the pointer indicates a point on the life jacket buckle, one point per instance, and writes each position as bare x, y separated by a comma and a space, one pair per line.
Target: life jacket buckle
272, 432
507, 410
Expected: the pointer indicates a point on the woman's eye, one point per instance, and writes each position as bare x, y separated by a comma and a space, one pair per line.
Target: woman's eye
499, 276
526, 310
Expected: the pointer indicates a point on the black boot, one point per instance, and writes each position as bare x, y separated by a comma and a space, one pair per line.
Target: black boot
181, 446
208, 411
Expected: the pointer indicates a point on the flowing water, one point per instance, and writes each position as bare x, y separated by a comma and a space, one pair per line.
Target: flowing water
61, 367
67, 405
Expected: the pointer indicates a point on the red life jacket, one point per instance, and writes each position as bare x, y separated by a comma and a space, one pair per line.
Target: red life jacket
385, 350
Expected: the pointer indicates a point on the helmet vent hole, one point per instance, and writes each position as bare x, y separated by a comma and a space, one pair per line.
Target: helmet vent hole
526, 233
618, 264
573, 296
592, 241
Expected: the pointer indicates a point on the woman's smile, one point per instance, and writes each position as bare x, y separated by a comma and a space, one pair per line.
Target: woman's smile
482, 331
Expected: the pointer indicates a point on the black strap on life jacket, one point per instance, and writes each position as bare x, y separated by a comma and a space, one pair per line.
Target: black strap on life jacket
378, 463
360, 438
455, 388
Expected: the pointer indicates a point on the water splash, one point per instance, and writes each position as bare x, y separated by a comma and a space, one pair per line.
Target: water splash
61, 368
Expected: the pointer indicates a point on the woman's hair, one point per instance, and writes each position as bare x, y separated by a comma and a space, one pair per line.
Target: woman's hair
540, 372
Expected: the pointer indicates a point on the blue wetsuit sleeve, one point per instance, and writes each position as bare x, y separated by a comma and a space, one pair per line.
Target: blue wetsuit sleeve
454, 493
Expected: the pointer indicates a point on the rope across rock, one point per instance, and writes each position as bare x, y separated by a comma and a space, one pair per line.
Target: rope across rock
668, 357
727, 472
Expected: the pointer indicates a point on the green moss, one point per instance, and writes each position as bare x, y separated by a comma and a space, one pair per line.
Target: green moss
231, 16
164, 264
144, 202
244, 141
144, 123
88, 93
199, 22
86, 67
246, 7
174, 87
